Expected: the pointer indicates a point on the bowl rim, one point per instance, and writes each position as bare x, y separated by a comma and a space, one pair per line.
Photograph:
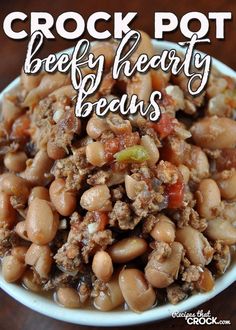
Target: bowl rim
91, 317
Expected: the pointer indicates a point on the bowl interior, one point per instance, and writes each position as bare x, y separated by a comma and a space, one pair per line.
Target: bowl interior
47, 307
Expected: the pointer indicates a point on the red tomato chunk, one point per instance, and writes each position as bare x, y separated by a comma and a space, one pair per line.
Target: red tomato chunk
165, 126
175, 194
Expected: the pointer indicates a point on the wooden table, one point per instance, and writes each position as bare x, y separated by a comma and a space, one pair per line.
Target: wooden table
14, 315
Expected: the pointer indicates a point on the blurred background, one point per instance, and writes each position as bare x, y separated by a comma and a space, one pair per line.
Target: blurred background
12, 314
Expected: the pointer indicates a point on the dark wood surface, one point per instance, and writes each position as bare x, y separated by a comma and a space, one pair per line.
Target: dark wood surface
14, 315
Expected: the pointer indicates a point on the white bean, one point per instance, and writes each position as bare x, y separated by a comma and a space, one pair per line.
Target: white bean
219, 229
148, 143
96, 198
208, 198
197, 247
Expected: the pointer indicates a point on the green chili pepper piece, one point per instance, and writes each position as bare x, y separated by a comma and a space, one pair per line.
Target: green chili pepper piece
134, 154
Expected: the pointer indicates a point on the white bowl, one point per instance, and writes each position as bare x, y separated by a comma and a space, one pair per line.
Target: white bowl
118, 318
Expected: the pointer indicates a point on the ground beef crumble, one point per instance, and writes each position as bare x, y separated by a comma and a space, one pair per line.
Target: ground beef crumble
73, 168
121, 216
5, 244
100, 177
149, 223
166, 172
221, 257
117, 193
161, 250
81, 244
191, 273
59, 280
175, 294
147, 202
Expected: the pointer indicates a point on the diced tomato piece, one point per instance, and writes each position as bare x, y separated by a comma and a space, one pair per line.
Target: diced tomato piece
175, 194
20, 128
165, 126
112, 146
102, 219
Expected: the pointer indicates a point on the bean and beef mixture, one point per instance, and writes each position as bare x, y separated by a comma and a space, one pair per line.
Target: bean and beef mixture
118, 211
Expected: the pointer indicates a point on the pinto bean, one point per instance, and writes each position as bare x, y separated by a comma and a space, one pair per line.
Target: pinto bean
133, 187
163, 230
110, 298
68, 297
138, 293
40, 257
38, 169
12, 269
216, 86
15, 161
229, 211
64, 91
197, 247
39, 192
13, 185
106, 49
21, 231
29, 281
41, 222
226, 181
96, 126
29, 81
219, 229
161, 273
127, 249
118, 125
21, 129
217, 105
63, 200
19, 252
214, 133
102, 266
140, 85
145, 46
177, 97
95, 154
48, 84
10, 111
208, 198
7, 212
54, 151
148, 143
159, 79
96, 198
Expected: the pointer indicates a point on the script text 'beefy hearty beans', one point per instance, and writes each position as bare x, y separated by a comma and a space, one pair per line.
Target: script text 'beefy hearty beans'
118, 212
